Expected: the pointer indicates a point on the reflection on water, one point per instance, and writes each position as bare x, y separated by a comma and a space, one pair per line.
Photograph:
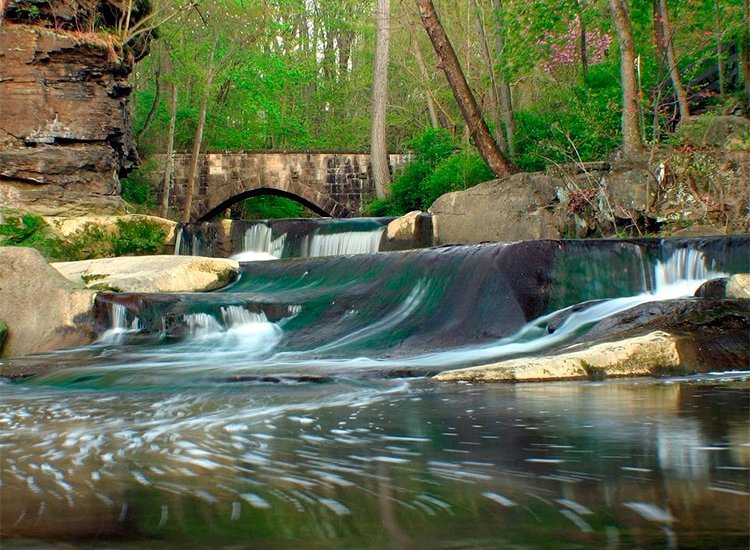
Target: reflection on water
387, 463
277, 415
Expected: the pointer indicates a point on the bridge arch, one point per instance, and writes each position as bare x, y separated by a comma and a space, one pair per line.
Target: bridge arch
320, 210
331, 184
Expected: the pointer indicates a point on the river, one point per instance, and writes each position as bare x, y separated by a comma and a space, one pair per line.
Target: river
294, 409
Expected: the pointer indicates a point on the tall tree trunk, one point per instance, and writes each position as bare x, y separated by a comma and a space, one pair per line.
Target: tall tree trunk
198, 137
631, 134
582, 40
746, 47
157, 98
659, 40
345, 42
483, 140
169, 161
720, 50
426, 77
378, 150
504, 95
493, 99
674, 71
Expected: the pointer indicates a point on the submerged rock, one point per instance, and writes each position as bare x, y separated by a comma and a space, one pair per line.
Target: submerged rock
151, 273
736, 286
652, 353
656, 338
45, 310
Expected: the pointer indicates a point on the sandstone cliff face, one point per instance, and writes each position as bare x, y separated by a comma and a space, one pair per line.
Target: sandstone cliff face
64, 121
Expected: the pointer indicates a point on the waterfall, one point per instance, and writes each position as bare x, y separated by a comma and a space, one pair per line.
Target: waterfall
261, 243
119, 326
178, 241
340, 244
685, 264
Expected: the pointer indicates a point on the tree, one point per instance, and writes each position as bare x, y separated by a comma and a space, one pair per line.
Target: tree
198, 138
746, 47
169, 161
664, 33
504, 94
378, 149
478, 129
631, 133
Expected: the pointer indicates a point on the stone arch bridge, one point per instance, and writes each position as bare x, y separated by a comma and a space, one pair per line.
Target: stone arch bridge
328, 183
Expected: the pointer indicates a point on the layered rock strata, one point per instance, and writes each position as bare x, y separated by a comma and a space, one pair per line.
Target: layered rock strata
64, 120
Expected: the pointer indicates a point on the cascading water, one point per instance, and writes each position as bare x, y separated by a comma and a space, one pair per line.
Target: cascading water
274, 239
277, 411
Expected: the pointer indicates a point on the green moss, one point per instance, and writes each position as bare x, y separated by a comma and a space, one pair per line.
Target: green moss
593, 372
93, 277
132, 237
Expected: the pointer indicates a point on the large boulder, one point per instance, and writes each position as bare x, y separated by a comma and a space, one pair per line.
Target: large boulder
738, 286
516, 208
151, 273
735, 286
44, 310
712, 130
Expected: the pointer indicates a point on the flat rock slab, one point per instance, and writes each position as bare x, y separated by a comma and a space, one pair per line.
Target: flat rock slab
151, 273
646, 355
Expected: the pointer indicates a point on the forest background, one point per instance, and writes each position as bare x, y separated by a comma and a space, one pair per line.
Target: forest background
298, 74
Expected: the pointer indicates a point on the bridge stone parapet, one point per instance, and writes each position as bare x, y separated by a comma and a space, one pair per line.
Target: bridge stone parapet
329, 183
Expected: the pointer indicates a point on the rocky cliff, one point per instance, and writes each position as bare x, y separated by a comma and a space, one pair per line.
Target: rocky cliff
64, 115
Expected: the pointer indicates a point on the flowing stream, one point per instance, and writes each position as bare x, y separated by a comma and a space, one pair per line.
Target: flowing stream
274, 239
293, 410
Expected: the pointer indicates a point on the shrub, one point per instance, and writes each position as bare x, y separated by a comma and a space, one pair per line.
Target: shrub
581, 123
455, 173
270, 207
429, 149
138, 188
138, 237
92, 241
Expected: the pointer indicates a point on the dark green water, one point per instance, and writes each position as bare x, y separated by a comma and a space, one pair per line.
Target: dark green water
397, 464
295, 410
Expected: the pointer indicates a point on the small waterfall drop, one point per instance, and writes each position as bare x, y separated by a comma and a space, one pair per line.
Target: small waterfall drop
120, 327
340, 244
260, 244
178, 241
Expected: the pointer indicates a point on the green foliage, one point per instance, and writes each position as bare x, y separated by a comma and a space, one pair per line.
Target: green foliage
29, 11
270, 207
580, 123
429, 149
455, 173
137, 237
381, 207
32, 231
15, 231
438, 168
138, 189
132, 237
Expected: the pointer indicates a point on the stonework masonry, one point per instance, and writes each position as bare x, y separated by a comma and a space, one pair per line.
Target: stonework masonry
330, 183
